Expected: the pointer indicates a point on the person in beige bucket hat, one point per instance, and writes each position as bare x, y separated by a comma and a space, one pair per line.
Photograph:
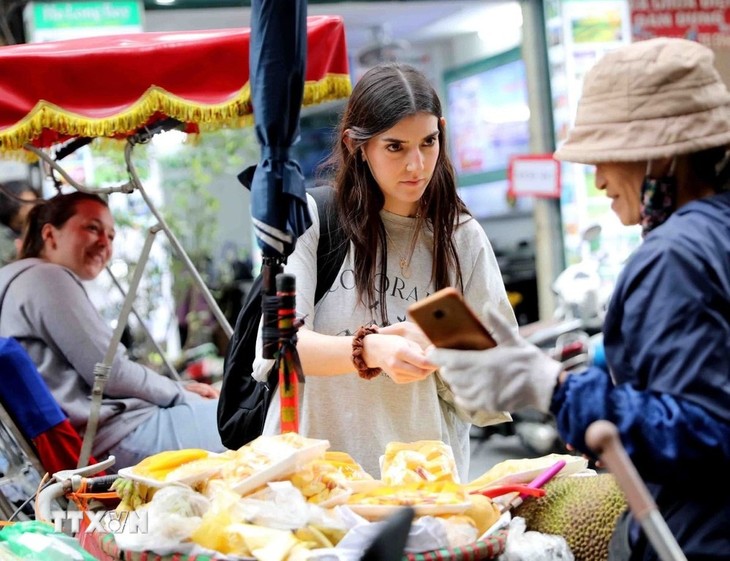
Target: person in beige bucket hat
654, 119
653, 99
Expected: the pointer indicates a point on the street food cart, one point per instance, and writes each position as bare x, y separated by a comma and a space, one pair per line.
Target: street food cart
55, 96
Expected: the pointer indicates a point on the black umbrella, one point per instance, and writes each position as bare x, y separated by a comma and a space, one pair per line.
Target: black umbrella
278, 56
278, 197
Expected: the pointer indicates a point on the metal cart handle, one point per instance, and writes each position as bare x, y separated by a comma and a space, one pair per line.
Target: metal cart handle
602, 437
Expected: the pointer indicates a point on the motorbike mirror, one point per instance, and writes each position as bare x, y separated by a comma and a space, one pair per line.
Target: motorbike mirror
592, 232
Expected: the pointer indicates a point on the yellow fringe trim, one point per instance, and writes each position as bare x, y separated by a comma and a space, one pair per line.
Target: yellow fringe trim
237, 112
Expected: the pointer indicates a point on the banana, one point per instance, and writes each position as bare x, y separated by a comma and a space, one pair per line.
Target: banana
132, 494
124, 506
136, 496
123, 488
159, 465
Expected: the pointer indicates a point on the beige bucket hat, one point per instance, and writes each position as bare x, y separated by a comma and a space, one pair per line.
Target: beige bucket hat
652, 99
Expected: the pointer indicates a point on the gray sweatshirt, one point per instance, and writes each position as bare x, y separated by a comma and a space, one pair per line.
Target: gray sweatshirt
46, 308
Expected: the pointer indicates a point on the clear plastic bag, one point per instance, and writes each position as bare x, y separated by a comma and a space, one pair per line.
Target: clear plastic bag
525, 545
173, 514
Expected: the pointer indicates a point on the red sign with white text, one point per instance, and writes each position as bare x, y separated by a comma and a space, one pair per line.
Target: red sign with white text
704, 21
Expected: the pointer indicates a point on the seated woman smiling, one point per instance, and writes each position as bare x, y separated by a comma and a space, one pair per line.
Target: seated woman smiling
43, 305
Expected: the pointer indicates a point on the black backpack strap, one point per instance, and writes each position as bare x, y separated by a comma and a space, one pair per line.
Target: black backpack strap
332, 246
244, 402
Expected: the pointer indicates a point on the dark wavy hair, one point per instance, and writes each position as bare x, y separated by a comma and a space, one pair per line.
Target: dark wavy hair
55, 211
384, 96
10, 201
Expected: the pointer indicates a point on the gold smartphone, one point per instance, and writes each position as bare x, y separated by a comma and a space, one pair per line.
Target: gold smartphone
449, 322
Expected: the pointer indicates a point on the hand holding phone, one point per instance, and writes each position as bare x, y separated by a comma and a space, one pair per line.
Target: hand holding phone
510, 377
449, 322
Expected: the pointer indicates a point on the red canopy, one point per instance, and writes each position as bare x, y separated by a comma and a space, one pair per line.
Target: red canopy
111, 86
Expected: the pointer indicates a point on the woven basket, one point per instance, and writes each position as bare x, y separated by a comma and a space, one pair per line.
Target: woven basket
490, 548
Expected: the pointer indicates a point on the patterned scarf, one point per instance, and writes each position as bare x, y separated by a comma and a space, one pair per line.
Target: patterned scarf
658, 199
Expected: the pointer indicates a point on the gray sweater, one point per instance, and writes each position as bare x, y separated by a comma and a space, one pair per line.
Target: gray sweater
46, 308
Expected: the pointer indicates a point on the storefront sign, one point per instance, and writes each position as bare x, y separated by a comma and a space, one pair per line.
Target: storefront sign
52, 21
534, 175
704, 21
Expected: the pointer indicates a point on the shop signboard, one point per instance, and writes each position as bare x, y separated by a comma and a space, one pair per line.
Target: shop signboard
704, 21
53, 21
534, 175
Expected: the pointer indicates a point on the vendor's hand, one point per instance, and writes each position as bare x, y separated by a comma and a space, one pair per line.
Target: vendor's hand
571, 448
409, 330
509, 377
203, 390
402, 360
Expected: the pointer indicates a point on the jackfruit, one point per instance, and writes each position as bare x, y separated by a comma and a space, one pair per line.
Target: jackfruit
584, 510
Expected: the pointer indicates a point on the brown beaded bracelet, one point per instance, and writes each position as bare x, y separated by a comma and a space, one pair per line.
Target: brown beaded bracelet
357, 347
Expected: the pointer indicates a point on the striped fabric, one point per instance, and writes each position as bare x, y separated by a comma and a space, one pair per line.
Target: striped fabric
109, 546
490, 548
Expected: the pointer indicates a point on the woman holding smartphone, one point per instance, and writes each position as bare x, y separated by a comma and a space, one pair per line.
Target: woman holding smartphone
368, 381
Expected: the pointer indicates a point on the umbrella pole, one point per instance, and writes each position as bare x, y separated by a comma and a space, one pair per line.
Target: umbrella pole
288, 360
602, 437
125, 188
272, 266
173, 373
197, 279
102, 370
